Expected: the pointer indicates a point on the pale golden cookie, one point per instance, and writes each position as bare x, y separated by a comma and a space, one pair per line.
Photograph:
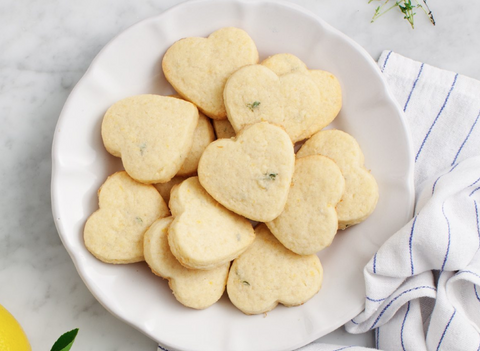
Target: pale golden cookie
198, 68
285, 63
252, 94
152, 134
267, 274
251, 174
165, 188
309, 222
327, 83
193, 288
114, 233
361, 189
202, 136
204, 234
255, 93
223, 129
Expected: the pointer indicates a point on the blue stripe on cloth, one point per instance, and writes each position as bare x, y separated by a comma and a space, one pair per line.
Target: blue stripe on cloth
475, 182
478, 224
403, 325
351, 320
448, 324
469, 272
435, 184
466, 139
474, 285
397, 297
478, 347
410, 245
386, 60
436, 118
375, 263
376, 300
413, 87
449, 237
474, 191
162, 348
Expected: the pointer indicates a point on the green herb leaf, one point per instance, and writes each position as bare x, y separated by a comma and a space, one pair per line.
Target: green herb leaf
245, 283
253, 105
65, 342
271, 176
406, 7
139, 220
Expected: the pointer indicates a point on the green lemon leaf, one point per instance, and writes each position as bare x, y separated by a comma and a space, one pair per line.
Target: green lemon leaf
65, 342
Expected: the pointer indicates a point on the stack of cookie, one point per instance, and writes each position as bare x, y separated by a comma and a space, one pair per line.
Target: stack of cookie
217, 190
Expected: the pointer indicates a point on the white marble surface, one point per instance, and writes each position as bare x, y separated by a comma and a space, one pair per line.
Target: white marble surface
45, 47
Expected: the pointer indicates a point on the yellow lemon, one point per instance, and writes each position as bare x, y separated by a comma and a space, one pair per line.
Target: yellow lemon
12, 337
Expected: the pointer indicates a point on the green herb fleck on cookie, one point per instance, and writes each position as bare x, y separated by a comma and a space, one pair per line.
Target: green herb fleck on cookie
253, 105
138, 220
244, 282
267, 179
271, 176
142, 147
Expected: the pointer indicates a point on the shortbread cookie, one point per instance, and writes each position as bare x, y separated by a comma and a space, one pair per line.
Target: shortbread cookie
309, 222
255, 93
198, 68
114, 233
193, 288
267, 274
285, 63
202, 136
152, 134
251, 174
327, 83
165, 188
361, 189
223, 129
283, 91
204, 234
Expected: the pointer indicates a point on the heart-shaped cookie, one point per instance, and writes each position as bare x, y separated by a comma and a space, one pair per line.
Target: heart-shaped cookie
152, 134
204, 234
361, 189
267, 274
114, 233
198, 68
285, 63
250, 174
255, 93
192, 287
283, 91
309, 221
328, 85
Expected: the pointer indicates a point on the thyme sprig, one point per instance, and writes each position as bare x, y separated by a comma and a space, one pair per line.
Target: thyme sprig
406, 7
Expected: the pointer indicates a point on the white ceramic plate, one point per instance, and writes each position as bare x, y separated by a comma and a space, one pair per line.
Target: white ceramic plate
131, 64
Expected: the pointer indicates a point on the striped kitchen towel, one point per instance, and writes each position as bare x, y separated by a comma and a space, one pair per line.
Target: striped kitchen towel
423, 284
